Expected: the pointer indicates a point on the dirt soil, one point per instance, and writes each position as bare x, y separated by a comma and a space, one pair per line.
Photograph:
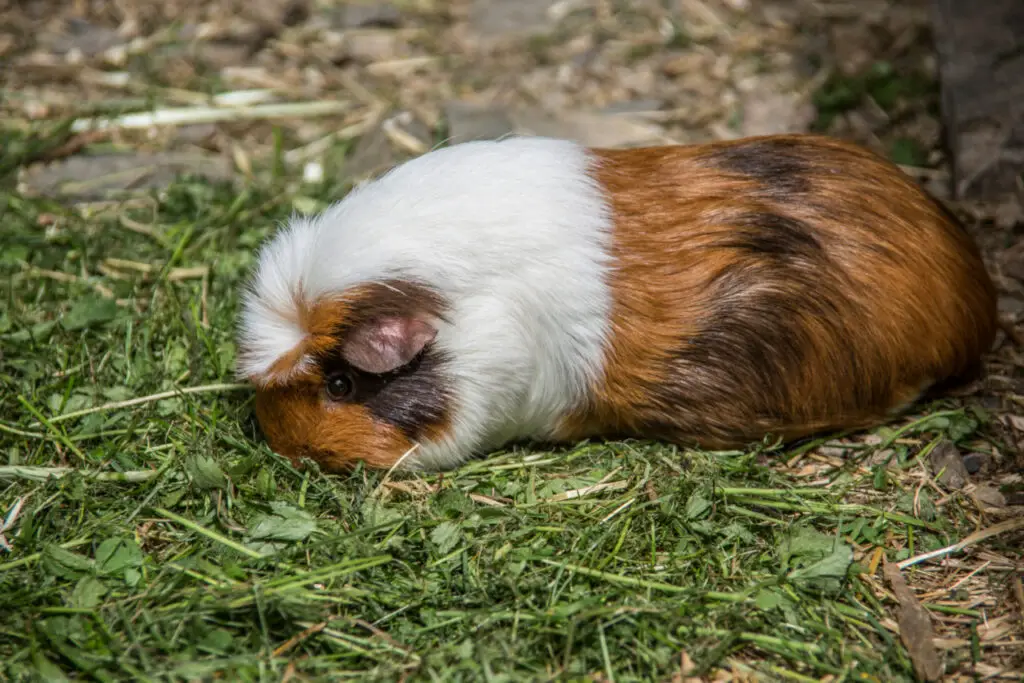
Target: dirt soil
385, 81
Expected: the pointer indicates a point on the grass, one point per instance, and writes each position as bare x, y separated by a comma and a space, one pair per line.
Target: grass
154, 537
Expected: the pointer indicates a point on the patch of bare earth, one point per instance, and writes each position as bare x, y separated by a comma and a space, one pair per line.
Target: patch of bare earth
227, 87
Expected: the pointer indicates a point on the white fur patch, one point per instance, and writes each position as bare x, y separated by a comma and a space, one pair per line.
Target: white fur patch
514, 233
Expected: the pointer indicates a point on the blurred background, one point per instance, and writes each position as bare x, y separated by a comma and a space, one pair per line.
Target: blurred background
301, 79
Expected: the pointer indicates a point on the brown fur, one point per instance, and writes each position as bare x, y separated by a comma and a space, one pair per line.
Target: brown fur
781, 285
299, 420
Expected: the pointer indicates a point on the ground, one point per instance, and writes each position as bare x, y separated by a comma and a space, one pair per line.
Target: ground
149, 534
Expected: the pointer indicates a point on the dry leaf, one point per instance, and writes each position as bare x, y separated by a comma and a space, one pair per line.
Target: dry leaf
915, 627
948, 465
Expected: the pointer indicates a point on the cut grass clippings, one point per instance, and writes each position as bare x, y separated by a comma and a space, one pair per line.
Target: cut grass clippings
152, 536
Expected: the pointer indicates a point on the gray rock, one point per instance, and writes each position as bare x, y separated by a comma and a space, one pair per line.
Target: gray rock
1011, 305
591, 129
990, 496
633, 107
974, 462
371, 155
948, 466
365, 15
595, 129
370, 45
468, 122
221, 54
501, 18
103, 176
87, 38
980, 50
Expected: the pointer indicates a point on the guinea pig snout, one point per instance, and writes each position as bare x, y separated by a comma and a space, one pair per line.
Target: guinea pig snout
284, 422
299, 423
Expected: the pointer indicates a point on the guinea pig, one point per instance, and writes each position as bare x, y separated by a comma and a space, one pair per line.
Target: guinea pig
532, 289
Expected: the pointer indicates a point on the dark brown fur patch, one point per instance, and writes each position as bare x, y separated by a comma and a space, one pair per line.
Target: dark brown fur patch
778, 164
784, 285
412, 398
385, 414
773, 236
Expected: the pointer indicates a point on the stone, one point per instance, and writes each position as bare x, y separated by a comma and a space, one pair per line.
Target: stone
220, 54
1012, 261
371, 155
990, 496
591, 129
511, 18
772, 107
594, 129
974, 462
82, 37
372, 45
1011, 305
948, 466
980, 49
365, 15
633, 107
103, 176
467, 121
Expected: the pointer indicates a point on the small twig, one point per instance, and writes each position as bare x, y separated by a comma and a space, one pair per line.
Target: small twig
363, 123
407, 141
49, 424
959, 582
976, 537
42, 474
189, 273
143, 229
387, 475
9, 519
20, 432
486, 500
1018, 593
618, 510
117, 405
204, 293
587, 490
191, 115
399, 66
212, 535
298, 638
383, 635
74, 145
70, 279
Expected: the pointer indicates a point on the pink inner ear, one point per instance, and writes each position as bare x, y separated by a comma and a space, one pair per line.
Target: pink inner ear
386, 344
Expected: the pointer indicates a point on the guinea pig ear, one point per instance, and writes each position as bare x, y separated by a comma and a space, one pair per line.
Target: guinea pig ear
387, 343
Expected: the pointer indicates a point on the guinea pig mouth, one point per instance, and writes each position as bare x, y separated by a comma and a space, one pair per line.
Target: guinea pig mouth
253, 429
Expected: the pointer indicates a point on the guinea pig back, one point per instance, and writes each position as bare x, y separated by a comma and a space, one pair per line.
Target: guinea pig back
708, 295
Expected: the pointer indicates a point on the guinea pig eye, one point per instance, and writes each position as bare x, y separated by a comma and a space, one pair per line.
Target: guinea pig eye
339, 387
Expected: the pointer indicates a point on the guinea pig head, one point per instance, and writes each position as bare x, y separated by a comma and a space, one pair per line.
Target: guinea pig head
363, 380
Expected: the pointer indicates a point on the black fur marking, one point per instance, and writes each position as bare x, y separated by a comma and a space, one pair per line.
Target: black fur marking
776, 164
755, 340
772, 234
412, 398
